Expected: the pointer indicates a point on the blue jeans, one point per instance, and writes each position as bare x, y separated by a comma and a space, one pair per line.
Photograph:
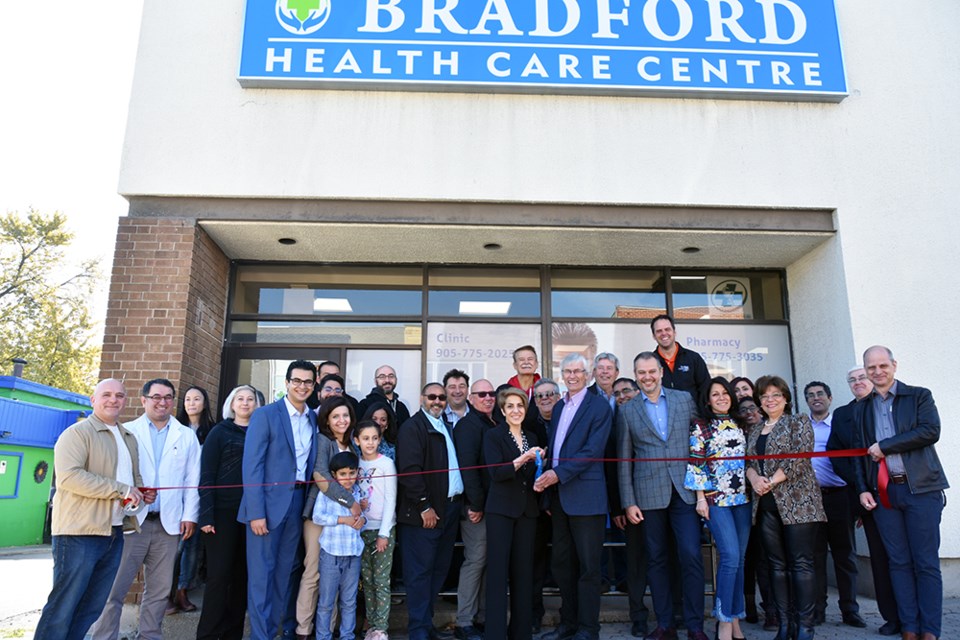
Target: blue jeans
339, 575
189, 551
730, 527
910, 530
84, 568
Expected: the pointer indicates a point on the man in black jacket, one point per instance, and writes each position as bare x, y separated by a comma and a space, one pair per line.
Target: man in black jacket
385, 391
842, 437
468, 438
683, 369
898, 424
428, 510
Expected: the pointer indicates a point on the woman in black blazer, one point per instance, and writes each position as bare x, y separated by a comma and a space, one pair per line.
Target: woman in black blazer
511, 514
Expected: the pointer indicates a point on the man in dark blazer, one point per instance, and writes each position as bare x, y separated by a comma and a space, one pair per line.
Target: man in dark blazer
656, 424
898, 424
428, 510
579, 428
841, 438
280, 448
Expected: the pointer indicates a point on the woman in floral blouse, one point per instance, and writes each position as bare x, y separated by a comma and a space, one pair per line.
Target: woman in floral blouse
722, 498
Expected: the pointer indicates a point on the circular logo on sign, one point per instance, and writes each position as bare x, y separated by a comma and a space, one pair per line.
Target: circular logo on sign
302, 17
729, 295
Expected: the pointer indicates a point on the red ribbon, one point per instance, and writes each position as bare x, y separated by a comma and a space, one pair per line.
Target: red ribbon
841, 453
883, 479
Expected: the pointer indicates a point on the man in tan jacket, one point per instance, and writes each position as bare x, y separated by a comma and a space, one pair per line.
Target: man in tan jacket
97, 472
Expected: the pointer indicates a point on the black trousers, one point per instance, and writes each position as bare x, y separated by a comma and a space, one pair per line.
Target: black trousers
790, 551
637, 572
837, 533
509, 561
225, 596
577, 547
541, 562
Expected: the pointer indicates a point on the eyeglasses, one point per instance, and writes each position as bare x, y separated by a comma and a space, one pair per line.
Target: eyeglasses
159, 398
435, 396
484, 394
623, 392
386, 376
545, 395
771, 396
573, 372
336, 390
861, 378
749, 410
816, 394
297, 382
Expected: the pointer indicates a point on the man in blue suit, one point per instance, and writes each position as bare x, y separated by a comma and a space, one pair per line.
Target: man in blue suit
579, 428
280, 448
656, 424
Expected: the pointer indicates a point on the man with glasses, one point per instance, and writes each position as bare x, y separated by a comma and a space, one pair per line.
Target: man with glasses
429, 507
577, 499
837, 532
899, 424
841, 437
546, 394
656, 424
325, 368
169, 456
279, 453
385, 391
330, 385
468, 438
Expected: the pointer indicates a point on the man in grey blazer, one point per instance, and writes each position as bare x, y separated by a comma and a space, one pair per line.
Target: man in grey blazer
656, 424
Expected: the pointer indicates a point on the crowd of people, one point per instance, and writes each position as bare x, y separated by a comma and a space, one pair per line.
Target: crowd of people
317, 506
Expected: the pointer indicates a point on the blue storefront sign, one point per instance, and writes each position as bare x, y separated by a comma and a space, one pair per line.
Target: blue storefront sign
784, 49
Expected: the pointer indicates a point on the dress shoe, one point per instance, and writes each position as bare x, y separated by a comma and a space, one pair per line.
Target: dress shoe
467, 633
889, 629
441, 634
560, 633
854, 620
696, 635
771, 621
183, 602
638, 629
662, 634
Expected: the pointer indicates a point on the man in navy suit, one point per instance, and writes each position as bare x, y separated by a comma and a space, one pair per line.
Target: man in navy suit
579, 428
280, 448
656, 424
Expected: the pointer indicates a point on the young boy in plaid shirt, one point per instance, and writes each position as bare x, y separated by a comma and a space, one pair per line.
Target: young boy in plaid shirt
340, 550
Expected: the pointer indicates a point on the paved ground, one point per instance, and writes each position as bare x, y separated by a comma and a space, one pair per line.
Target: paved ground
25, 576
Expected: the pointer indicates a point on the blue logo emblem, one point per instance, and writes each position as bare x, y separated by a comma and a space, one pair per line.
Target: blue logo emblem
302, 17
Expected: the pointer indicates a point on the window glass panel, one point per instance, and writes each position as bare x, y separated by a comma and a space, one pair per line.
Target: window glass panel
485, 278
481, 350
733, 296
320, 290
585, 293
730, 350
377, 333
363, 363
488, 304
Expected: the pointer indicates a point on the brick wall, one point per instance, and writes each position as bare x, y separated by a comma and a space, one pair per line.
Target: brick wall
165, 315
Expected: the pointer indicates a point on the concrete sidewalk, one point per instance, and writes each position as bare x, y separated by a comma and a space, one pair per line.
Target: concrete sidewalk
27, 574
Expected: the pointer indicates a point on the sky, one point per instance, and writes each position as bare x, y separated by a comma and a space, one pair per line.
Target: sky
66, 70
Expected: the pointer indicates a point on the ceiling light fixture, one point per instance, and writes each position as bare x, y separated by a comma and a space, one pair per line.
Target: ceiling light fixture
479, 308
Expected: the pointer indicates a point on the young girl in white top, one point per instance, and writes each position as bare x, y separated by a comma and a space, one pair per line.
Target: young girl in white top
378, 487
